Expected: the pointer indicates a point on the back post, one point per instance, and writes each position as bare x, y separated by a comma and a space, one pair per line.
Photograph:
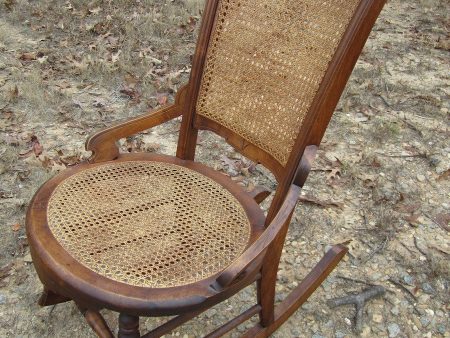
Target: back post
188, 133
307, 142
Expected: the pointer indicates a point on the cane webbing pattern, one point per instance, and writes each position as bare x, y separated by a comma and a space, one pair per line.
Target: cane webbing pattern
148, 223
265, 62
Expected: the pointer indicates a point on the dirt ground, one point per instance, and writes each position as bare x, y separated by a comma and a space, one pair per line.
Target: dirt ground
381, 177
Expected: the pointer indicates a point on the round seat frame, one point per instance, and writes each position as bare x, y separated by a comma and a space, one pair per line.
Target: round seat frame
88, 287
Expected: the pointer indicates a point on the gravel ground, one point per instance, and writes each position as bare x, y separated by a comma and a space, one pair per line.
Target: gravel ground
381, 177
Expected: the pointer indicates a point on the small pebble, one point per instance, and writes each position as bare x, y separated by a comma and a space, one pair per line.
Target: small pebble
394, 330
2, 299
348, 321
339, 334
296, 332
376, 276
427, 288
307, 306
421, 178
27, 258
366, 332
425, 321
441, 328
408, 279
395, 311
211, 313
377, 318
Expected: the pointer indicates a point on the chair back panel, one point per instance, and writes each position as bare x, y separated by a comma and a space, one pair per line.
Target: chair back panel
265, 62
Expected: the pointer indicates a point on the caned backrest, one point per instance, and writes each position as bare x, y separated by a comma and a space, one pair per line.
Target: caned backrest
267, 75
265, 62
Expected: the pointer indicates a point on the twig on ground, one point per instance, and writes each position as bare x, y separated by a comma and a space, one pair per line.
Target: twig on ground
406, 247
359, 301
439, 224
6, 105
375, 251
421, 155
401, 286
418, 248
325, 203
51, 310
412, 299
354, 280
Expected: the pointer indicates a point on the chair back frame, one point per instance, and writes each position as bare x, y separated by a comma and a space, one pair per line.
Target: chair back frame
319, 113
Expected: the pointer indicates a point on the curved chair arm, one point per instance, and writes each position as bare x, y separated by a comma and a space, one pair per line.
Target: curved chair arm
230, 274
103, 143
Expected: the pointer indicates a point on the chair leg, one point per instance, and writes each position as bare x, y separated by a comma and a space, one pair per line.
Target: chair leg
128, 326
266, 285
266, 296
48, 297
301, 293
97, 323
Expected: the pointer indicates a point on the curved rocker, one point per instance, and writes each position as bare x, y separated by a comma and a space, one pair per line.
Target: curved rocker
156, 235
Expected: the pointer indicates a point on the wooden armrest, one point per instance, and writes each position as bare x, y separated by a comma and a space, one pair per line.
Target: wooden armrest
230, 274
103, 143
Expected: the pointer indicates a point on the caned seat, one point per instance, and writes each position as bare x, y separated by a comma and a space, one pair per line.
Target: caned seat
147, 223
140, 225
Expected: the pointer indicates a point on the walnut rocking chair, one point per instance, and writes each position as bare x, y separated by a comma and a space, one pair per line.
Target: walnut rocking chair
154, 235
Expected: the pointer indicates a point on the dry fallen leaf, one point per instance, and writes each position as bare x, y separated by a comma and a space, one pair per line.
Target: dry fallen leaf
46, 162
443, 221
14, 94
445, 175
412, 219
5, 271
16, 227
322, 203
229, 162
70, 160
334, 174
132, 93
28, 56
36, 146
152, 147
9, 4
408, 208
162, 98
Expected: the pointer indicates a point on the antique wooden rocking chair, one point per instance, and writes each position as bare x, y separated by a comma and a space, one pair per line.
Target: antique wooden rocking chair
154, 235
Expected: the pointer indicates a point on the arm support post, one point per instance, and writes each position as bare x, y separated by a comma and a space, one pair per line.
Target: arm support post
230, 274
103, 143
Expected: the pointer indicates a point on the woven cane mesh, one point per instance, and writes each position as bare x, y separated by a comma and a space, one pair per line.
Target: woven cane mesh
148, 224
265, 62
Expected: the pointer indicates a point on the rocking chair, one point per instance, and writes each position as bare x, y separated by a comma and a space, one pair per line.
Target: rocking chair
154, 235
